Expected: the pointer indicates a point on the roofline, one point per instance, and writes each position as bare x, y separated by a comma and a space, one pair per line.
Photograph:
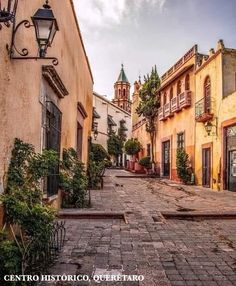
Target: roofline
108, 101
178, 74
80, 36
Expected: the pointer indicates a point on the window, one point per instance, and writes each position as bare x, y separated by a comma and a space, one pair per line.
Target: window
207, 95
180, 140
80, 140
53, 141
178, 87
148, 150
164, 98
187, 82
171, 93
123, 92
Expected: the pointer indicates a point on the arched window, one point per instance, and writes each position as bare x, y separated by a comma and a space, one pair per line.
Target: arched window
179, 87
123, 92
187, 82
207, 94
171, 93
119, 92
164, 98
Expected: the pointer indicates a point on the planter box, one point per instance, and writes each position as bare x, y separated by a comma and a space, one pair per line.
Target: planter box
138, 168
131, 165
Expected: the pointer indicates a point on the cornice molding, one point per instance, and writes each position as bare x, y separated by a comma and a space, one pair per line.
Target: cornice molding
51, 76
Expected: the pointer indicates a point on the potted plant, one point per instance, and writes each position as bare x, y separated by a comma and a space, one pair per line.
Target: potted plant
146, 163
132, 147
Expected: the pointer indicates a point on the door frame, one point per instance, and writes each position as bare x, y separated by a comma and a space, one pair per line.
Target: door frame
168, 138
210, 147
223, 174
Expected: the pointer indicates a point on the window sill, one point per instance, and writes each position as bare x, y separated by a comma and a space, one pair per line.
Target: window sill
49, 200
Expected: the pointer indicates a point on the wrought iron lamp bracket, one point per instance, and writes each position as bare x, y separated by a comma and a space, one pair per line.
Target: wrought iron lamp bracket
24, 52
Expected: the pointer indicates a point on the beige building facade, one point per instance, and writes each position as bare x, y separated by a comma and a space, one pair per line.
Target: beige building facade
109, 117
49, 106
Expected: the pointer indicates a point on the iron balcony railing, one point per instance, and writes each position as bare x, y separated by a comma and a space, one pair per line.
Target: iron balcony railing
203, 109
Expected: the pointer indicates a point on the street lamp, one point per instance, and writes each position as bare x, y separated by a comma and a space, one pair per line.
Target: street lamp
95, 130
44, 23
7, 11
208, 127
46, 26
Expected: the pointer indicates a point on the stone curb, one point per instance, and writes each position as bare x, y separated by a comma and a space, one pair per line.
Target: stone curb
197, 214
90, 215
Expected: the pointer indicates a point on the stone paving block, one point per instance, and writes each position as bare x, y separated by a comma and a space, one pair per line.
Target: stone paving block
197, 251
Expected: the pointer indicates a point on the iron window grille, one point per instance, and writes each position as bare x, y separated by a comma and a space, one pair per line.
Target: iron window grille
180, 140
53, 142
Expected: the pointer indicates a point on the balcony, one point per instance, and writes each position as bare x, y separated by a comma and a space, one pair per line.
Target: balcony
161, 114
203, 110
174, 104
167, 110
185, 99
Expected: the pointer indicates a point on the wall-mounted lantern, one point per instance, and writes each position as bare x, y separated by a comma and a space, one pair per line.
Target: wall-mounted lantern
7, 12
44, 23
95, 130
209, 127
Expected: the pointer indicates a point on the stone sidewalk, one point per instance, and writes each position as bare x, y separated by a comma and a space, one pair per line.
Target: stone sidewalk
174, 252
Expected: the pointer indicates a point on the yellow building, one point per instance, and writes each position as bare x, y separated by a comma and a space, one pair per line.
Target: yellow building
175, 128
215, 147
197, 112
47, 105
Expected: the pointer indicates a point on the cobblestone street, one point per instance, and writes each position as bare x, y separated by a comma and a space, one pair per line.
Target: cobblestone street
166, 252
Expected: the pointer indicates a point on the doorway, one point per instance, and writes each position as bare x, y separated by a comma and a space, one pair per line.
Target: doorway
206, 167
231, 158
166, 158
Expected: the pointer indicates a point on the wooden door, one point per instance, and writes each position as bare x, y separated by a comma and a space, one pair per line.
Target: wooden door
206, 167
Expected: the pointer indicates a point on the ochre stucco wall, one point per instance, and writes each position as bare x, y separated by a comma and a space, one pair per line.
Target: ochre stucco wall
182, 121
21, 82
221, 67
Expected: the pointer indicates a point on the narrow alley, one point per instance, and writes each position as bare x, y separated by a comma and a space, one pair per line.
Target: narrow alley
166, 251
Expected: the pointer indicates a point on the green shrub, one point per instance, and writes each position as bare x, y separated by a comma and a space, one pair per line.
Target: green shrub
146, 162
22, 202
132, 146
73, 179
10, 258
94, 172
99, 153
182, 164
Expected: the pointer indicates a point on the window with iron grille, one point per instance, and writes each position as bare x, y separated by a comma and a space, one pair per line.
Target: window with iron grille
53, 142
180, 140
148, 150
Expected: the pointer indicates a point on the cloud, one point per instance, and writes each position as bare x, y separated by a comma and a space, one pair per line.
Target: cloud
106, 13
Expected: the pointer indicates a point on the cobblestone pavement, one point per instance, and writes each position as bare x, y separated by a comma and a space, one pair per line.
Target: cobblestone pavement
174, 252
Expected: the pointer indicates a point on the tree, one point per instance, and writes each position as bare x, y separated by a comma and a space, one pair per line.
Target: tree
132, 146
115, 146
149, 104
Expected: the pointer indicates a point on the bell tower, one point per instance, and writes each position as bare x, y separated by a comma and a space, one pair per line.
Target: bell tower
122, 91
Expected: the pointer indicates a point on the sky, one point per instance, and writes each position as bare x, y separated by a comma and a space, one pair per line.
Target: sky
144, 33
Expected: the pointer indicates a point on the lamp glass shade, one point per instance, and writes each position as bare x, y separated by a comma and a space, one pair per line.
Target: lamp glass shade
45, 27
208, 127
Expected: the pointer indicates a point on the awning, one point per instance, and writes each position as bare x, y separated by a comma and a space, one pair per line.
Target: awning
110, 121
95, 114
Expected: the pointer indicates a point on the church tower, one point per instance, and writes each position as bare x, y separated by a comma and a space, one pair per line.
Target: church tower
122, 91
